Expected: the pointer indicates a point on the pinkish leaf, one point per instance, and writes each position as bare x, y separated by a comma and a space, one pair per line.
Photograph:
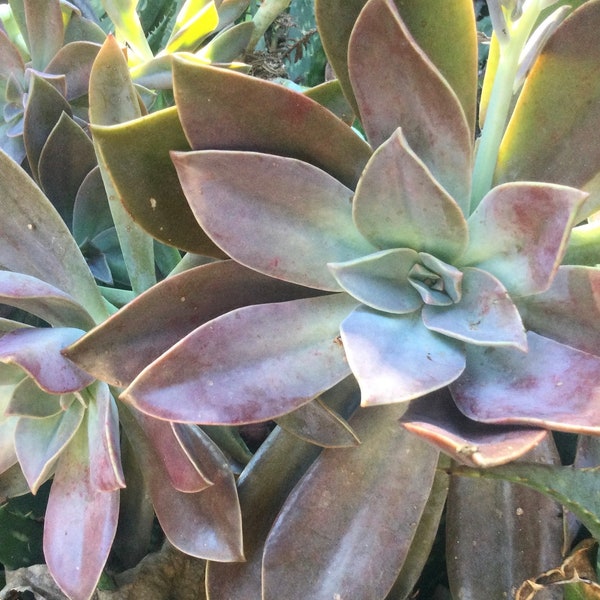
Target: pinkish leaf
184, 471
205, 524
485, 314
75, 61
435, 418
398, 204
355, 511
380, 280
291, 218
118, 349
106, 472
38, 352
39, 442
405, 89
519, 233
221, 109
569, 311
396, 358
551, 386
8, 424
43, 300
79, 524
252, 364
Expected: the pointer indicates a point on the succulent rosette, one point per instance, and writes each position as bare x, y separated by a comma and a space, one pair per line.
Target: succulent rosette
426, 285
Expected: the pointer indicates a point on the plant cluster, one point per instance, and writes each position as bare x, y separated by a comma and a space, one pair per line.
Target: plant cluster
394, 268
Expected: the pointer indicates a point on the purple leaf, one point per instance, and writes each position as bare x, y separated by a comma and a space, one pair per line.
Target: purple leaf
39, 442
184, 471
435, 418
205, 524
380, 280
405, 89
569, 311
106, 473
8, 455
290, 217
223, 110
252, 364
485, 314
396, 358
398, 204
519, 233
354, 512
80, 523
118, 349
551, 386
43, 300
37, 352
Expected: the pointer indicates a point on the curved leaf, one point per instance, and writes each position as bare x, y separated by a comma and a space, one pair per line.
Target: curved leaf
557, 112
519, 233
43, 300
252, 364
223, 110
118, 349
35, 241
205, 524
39, 442
551, 386
396, 358
435, 418
28, 400
289, 235
569, 311
137, 158
348, 515
38, 352
485, 314
76, 548
45, 30
406, 90
398, 204
74, 60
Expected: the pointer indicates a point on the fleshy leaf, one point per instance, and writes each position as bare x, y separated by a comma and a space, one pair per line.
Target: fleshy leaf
499, 533
290, 354
396, 358
106, 473
406, 90
220, 109
398, 204
39, 442
576, 489
76, 548
551, 386
118, 349
35, 241
290, 235
559, 101
28, 400
136, 155
569, 311
519, 233
37, 352
184, 470
435, 418
321, 540
46, 30
42, 299
380, 280
485, 314
66, 158
75, 61
205, 524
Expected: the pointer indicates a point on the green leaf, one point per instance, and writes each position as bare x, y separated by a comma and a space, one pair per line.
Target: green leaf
45, 30
127, 23
196, 20
557, 112
21, 539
